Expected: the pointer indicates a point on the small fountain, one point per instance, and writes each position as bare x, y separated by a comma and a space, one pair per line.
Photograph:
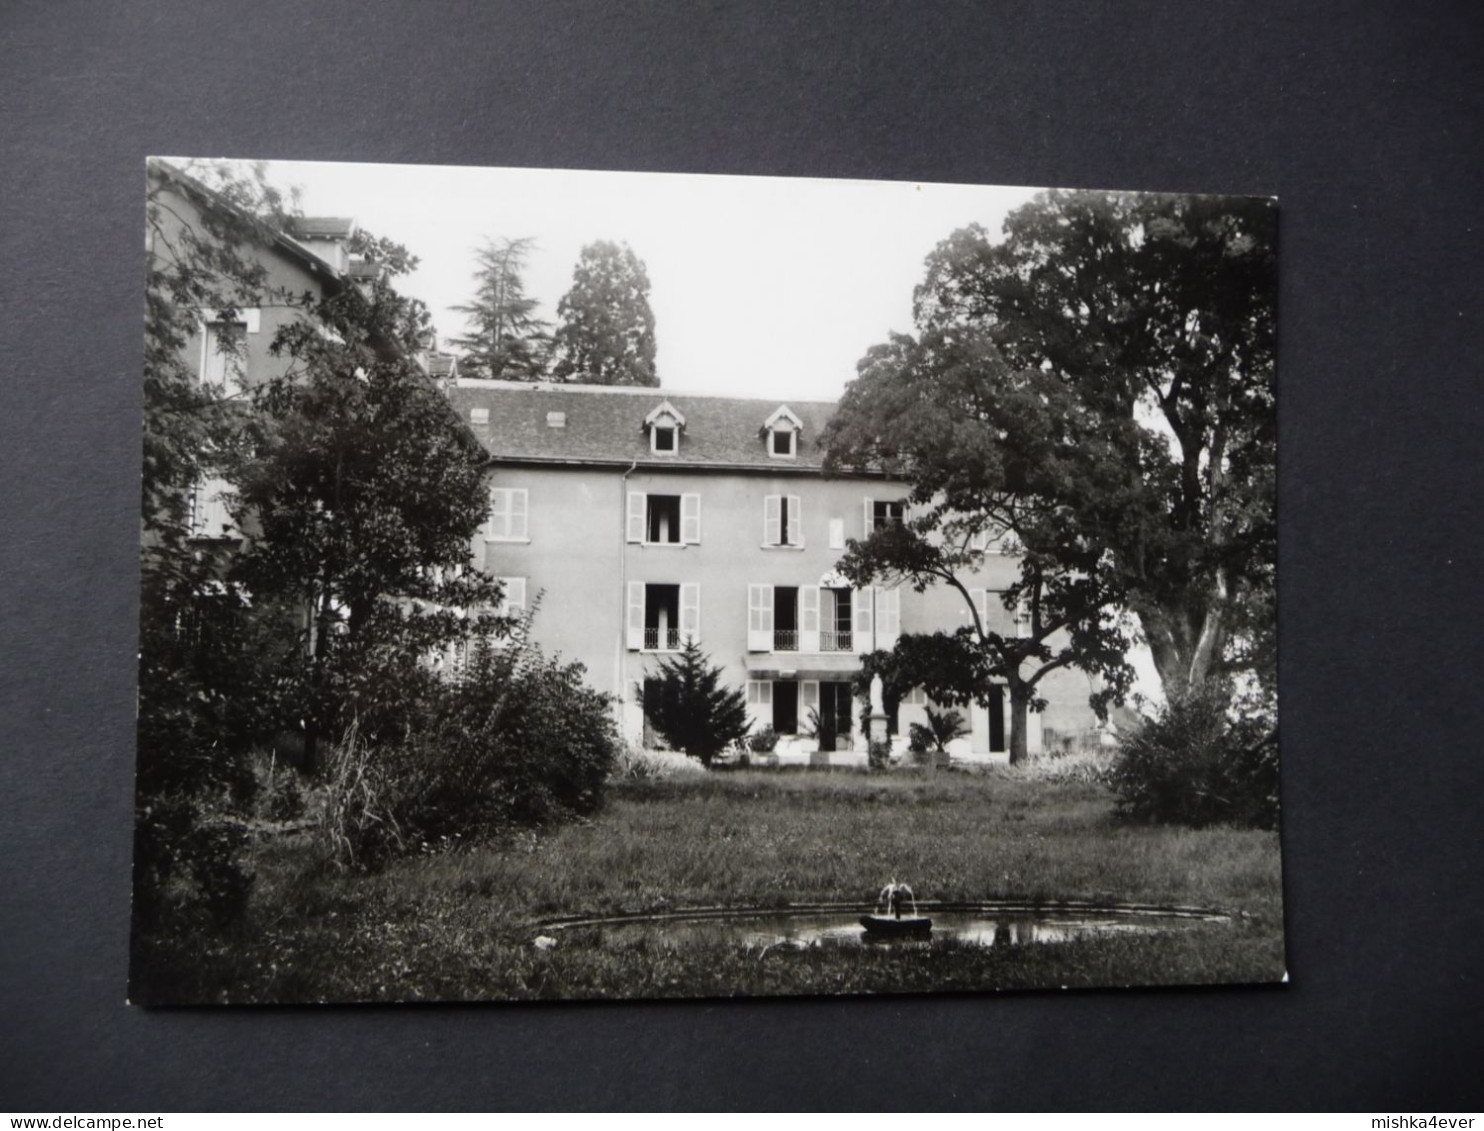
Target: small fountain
888, 922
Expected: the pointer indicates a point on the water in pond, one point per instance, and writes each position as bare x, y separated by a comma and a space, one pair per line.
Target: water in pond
974, 925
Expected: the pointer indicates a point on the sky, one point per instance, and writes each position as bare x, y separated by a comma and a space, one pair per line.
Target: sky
760, 286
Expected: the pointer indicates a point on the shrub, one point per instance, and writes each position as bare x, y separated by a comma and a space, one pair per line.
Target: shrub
1194, 765
878, 755
763, 742
637, 764
691, 710
521, 740
941, 729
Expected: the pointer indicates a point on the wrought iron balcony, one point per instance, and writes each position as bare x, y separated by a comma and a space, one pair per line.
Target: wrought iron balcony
662, 640
836, 640
785, 640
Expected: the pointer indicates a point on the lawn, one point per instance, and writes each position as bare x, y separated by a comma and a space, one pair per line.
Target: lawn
460, 924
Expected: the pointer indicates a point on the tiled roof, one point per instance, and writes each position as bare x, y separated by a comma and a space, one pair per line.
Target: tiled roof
605, 424
362, 269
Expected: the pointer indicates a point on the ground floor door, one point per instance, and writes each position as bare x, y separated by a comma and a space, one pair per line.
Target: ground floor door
836, 709
997, 722
785, 706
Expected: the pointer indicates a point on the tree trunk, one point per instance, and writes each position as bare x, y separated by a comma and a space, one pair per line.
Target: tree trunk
1019, 724
1185, 654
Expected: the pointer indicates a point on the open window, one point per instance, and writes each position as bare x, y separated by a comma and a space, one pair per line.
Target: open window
662, 617
664, 425
664, 520
781, 433
783, 521
881, 513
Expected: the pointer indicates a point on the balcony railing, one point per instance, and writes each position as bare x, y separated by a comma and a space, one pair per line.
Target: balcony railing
836, 640
785, 640
662, 639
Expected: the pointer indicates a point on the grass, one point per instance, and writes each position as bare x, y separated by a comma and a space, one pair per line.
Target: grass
459, 925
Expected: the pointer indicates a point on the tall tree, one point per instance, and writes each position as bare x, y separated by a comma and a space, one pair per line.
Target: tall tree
363, 494
922, 408
507, 341
606, 336
1144, 327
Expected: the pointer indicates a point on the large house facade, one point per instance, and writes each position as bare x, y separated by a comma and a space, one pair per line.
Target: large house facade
642, 517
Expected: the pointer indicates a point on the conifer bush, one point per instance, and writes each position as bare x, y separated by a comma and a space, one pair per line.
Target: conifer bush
690, 708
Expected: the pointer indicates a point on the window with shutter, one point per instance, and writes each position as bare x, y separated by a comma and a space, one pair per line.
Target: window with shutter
635, 621
809, 618
690, 612
514, 602
634, 526
888, 617
864, 606
509, 507
759, 704
759, 618
772, 520
690, 519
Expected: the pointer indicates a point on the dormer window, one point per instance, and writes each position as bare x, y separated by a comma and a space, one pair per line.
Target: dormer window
664, 425
781, 432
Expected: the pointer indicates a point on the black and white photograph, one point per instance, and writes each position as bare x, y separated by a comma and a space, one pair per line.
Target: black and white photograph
563, 584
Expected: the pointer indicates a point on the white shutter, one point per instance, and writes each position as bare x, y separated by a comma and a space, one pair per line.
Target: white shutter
795, 521
515, 596
636, 616
809, 618
889, 617
759, 618
690, 612
980, 598
861, 603
519, 507
759, 704
772, 520
634, 530
690, 519
837, 534
499, 520
808, 697
866, 521
1022, 616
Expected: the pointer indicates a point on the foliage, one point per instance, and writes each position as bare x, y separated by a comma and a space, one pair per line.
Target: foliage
204, 652
941, 729
763, 742
878, 754
520, 741
1193, 765
1119, 348
606, 336
507, 341
1063, 607
691, 709
364, 496
637, 764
